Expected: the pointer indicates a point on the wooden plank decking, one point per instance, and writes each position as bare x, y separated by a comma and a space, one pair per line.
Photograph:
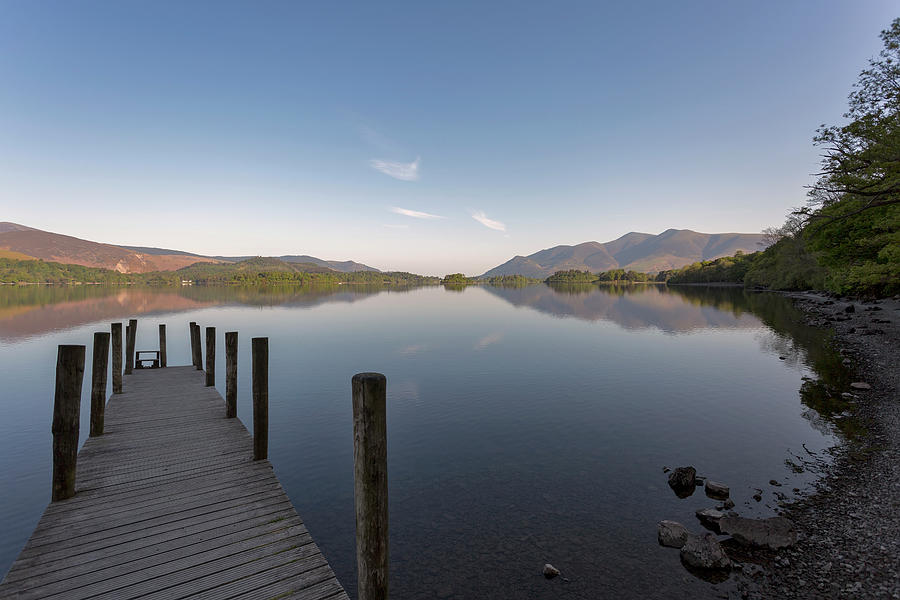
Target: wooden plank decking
169, 504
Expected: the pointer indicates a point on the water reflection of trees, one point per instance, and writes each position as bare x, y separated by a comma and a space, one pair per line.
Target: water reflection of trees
812, 346
35, 309
684, 309
635, 306
36, 295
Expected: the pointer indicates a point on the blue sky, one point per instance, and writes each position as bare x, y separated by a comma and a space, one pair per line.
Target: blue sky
422, 136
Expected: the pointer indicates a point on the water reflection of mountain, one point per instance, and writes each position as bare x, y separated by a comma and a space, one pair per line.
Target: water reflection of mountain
638, 306
33, 310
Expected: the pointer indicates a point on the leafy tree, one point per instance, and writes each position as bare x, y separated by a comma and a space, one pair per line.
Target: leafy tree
572, 276
853, 214
861, 164
847, 238
728, 269
457, 279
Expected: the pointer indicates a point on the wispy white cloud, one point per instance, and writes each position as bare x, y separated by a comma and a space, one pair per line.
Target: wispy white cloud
489, 223
397, 170
414, 213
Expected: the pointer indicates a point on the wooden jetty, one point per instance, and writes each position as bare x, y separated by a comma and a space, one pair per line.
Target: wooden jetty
173, 501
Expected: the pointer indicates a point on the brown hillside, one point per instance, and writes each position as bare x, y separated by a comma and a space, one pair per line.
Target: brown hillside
15, 255
71, 250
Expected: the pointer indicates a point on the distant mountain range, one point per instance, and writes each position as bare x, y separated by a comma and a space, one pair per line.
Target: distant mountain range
19, 241
645, 252
671, 249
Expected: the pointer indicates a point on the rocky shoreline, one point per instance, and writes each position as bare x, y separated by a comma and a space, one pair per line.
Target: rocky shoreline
848, 542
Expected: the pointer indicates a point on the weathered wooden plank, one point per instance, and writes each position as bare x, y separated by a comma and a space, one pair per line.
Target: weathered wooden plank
246, 579
326, 590
69, 529
97, 581
104, 539
233, 570
299, 583
150, 545
298, 587
108, 511
154, 488
123, 576
169, 503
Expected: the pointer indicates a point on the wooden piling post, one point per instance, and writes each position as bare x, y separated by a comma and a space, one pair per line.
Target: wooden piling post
210, 356
370, 484
129, 345
191, 326
66, 409
125, 353
260, 347
98, 381
198, 350
116, 329
162, 344
231, 351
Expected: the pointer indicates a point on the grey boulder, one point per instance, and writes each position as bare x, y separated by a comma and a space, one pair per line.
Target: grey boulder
773, 533
716, 490
683, 481
672, 534
709, 518
704, 552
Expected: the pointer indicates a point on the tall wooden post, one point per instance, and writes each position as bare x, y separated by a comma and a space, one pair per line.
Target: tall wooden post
260, 348
191, 326
129, 345
116, 329
125, 354
66, 409
210, 356
162, 344
198, 349
231, 350
98, 381
370, 484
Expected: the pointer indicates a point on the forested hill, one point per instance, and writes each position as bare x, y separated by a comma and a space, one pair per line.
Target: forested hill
255, 271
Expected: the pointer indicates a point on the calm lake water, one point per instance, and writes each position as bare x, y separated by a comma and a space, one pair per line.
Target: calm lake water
526, 425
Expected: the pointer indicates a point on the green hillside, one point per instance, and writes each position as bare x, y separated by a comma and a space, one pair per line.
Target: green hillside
254, 271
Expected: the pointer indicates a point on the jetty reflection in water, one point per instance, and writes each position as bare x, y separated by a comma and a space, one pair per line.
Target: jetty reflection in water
527, 425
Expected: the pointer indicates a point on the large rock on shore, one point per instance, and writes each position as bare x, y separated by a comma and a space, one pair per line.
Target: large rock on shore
704, 552
773, 533
710, 518
672, 534
716, 490
683, 481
